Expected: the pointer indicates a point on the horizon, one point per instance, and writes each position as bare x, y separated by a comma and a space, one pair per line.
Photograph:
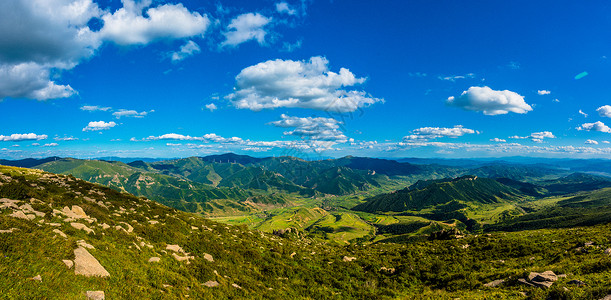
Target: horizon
305, 78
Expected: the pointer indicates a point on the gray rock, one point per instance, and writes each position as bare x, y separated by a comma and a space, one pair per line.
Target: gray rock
69, 264
208, 257
577, 282
211, 283
95, 295
87, 265
525, 282
494, 283
154, 259
37, 278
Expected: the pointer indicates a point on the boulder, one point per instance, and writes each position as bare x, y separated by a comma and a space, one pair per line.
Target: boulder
545, 276
211, 283
82, 227
208, 257
494, 283
60, 233
84, 244
174, 248
87, 265
577, 282
95, 295
37, 278
154, 259
348, 258
69, 264
608, 251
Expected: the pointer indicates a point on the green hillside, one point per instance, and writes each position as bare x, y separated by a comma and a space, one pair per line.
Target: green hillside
62, 237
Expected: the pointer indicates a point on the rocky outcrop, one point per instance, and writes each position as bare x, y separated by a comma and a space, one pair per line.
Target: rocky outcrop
87, 265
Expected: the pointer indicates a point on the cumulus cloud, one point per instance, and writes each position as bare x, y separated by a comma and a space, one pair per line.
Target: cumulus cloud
319, 128
211, 106
283, 7
536, 136
41, 38
51, 145
429, 133
246, 27
130, 113
596, 126
130, 26
591, 142
210, 137
490, 102
604, 111
95, 108
498, 140
186, 50
16, 137
99, 125
66, 138
298, 84
543, 92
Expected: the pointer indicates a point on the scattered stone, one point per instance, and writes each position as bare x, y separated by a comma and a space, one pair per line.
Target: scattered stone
194, 228
590, 243
608, 297
562, 276
104, 226
236, 286
174, 248
182, 258
153, 222
293, 254
154, 259
84, 244
87, 265
388, 270
54, 224
608, 251
208, 257
21, 215
494, 283
95, 295
465, 246
348, 258
525, 282
37, 278
577, 282
60, 233
130, 229
69, 264
211, 283
544, 280
82, 227
8, 230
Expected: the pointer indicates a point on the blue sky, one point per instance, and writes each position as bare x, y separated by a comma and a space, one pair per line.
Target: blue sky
317, 78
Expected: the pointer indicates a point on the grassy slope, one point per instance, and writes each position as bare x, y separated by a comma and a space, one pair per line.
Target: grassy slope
263, 265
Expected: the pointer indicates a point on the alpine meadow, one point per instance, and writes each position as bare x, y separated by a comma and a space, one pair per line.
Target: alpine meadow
305, 149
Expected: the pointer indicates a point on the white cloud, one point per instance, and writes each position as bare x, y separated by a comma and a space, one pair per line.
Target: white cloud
591, 142
454, 77
288, 47
186, 50
583, 114
429, 133
536, 136
99, 125
130, 113
95, 108
490, 102
41, 38
298, 84
51, 145
283, 7
66, 138
211, 106
556, 100
246, 27
606, 142
16, 137
129, 26
596, 126
543, 92
498, 140
317, 129
604, 111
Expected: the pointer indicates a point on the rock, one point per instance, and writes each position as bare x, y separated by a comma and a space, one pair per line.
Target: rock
494, 283
182, 258
54, 224
68, 263
84, 244
589, 243
208, 257
608, 297
60, 233
608, 251
293, 254
545, 276
21, 215
236, 286
8, 203
153, 222
95, 295
154, 259
82, 227
174, 248
577, 282
194, 228
388, 270
85, 264
130, 229
465, 246
37, 278
8, 230
104, 226
348, 258
211, 283
525, 282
